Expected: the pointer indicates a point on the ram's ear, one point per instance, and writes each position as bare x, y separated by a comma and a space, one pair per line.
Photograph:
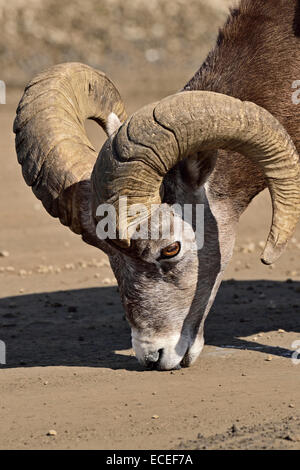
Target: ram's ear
113, 124
196, 169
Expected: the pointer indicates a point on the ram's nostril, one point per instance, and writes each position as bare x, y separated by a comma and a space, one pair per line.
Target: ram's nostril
152, 359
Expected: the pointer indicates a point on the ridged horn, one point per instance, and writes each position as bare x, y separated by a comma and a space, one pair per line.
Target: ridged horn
56, 155
158, 136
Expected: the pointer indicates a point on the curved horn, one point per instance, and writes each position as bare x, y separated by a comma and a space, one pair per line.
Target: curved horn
51, 143
158, 136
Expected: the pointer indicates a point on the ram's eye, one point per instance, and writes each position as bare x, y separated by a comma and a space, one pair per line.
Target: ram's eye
170, 251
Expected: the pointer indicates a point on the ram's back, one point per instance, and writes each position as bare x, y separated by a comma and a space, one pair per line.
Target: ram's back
256, 58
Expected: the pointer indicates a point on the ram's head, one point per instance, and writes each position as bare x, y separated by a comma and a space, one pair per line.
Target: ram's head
163, 155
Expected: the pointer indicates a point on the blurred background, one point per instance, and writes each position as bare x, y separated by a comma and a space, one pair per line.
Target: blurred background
160, 42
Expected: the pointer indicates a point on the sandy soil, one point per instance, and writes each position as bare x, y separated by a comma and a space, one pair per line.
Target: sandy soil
70, 366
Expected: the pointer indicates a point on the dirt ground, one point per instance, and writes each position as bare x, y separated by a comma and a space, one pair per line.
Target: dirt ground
70, 366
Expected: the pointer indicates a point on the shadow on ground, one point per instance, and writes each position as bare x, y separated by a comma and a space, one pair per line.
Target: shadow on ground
85, 327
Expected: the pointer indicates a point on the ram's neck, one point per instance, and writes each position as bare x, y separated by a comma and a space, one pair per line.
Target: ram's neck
257, 58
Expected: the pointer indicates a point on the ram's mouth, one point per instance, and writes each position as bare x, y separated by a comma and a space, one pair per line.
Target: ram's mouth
186, 360
171, 352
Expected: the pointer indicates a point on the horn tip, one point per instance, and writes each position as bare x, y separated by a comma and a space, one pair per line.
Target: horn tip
271, 253
265, 261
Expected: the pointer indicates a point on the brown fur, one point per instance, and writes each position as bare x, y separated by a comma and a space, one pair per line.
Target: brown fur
256, 58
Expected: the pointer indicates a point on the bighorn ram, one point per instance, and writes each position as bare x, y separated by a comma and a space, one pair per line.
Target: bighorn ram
231, 131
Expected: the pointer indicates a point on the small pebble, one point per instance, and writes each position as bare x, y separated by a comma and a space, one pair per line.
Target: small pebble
272, 305
293, 437
52, 432
69, 266
4, 253
234, 428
